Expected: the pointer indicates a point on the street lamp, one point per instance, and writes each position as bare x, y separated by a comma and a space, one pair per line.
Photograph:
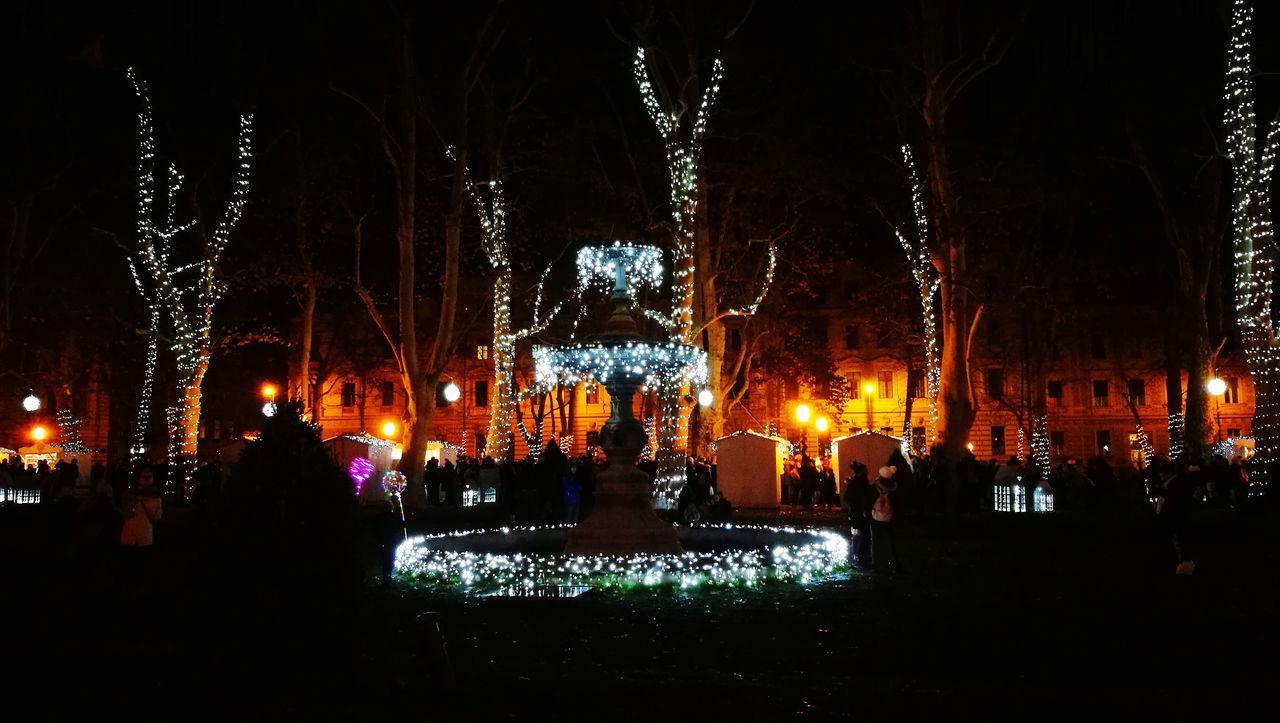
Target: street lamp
803, 413
705, 397
1217, 387
269, 391
821, 424
31, 402
269, 409
388, 429
868, 390
452, 393
39, 433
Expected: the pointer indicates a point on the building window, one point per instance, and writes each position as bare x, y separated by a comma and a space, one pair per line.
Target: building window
995, 383
915, 384
997, 441
1055, 392
482, 351
1057, 443
887, 431
917, 439
348, 394
886, 384
482, 392
1138, 392
1104, 441
855, 385
883, 337
1232, 395
851, 337
388, 394
1098, 347
1100, 393
593, 394
1233, 432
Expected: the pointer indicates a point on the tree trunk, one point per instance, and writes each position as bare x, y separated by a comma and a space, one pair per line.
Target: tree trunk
188, 423
1196, 414
302, 385
1173, 394
498, 439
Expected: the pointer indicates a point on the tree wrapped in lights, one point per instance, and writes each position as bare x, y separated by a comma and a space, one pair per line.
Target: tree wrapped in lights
187, 292
917, 251
1253, 239
695, 315
493, 227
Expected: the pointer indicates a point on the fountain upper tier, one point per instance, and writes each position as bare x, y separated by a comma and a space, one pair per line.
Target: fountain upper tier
620, 353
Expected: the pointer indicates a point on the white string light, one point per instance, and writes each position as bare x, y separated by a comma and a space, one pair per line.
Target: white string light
922, 270
192, 327
816, 554
1253, 239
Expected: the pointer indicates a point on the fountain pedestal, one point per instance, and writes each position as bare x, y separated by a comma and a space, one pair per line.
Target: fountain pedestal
622, 521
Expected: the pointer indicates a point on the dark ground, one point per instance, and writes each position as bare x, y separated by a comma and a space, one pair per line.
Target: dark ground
1001, 616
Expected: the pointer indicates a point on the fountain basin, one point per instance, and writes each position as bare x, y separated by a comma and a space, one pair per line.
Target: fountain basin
482, 561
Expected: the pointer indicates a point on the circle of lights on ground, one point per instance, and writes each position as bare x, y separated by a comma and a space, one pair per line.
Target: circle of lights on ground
814, 555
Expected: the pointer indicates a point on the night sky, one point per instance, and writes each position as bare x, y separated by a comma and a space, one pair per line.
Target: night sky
815, 103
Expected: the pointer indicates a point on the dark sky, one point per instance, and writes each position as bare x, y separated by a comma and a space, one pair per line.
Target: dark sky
816, 100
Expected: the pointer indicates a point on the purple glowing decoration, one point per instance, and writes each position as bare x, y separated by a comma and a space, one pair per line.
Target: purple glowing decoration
360, 470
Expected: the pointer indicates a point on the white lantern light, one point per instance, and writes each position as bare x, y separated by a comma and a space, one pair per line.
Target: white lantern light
31, 402
269, 409
1217, 387
705, 397
452, 393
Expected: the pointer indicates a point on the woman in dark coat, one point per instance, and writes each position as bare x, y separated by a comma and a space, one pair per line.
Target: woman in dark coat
857, 500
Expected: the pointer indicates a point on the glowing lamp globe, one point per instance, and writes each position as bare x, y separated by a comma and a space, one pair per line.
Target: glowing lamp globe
821, 424
39, 433
705, 397
269, 409
388, 429
869, 389
452, 393
803, 413
31, 402
269, 391
1217, 387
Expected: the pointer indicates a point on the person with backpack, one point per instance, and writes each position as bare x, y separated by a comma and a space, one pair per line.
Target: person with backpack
884, 546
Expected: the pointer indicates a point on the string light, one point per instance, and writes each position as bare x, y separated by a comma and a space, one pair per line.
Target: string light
927, 283
69, 433
816, 554
189, 304
1176, 429
1253, 239
493, 227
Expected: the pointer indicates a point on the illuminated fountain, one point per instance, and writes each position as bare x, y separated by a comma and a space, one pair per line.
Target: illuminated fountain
622, 543
622, 519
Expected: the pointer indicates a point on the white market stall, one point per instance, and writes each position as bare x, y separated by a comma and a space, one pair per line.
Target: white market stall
749, 469
870, 448
347, 447
31, 456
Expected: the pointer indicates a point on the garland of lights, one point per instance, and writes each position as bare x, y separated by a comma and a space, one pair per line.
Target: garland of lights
192, 338
927, 283
641, 265
1253, 239
394, 484
656, 365
819, 554
1177, 426
69, 433
1144, 443
1227, 447
360, 470
1040, 445
493, 227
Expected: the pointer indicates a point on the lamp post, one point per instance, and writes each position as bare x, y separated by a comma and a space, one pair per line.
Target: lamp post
1217, 387
268, 391
803, 414
868, 390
